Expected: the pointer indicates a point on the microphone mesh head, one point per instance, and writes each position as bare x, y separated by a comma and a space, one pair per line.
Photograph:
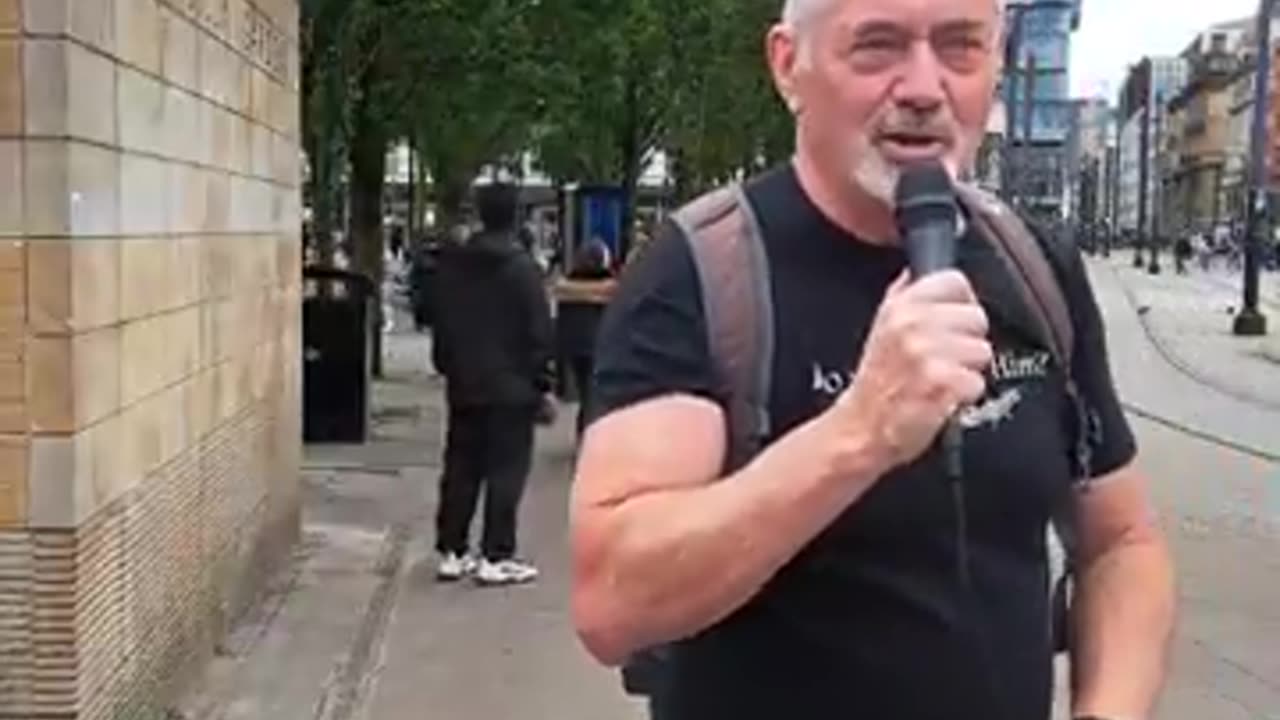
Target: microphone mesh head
925, 194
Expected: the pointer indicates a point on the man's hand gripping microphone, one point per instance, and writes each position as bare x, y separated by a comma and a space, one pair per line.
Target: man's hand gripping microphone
927, 217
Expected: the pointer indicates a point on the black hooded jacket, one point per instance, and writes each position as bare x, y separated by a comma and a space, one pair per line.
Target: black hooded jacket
493, 332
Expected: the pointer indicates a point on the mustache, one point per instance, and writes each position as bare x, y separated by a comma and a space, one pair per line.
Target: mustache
931, 127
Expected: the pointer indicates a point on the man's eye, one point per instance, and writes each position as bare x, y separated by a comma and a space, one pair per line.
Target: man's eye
962, 51
876, 45
962, 44
876, 53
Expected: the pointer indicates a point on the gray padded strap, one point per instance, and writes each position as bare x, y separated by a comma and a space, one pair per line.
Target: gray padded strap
724, 237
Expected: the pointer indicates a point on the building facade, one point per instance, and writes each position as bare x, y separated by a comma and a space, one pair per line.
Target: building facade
1087, 145
1146, 90
150, 341
1199, 140
1038, 107
1236, 174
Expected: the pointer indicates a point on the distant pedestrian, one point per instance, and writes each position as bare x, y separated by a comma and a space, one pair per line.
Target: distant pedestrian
581, 301
493, 345
1181, 253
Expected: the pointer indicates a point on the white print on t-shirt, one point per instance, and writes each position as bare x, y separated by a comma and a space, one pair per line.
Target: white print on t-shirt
991, 410
1010, 366
830, 382
994, 409
1001, 401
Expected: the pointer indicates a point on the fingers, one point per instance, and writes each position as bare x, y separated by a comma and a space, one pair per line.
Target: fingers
952, 386
953, 366
944, 286
900, 284
974, 354
924, 321
960, 318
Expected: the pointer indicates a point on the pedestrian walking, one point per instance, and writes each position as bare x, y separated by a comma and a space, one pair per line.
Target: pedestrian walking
1182, 251
768, 518
493, 344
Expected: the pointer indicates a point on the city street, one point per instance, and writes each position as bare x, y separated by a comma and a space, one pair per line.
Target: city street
360, 629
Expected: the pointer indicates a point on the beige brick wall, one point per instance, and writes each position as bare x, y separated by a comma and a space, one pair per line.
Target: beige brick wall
149, 339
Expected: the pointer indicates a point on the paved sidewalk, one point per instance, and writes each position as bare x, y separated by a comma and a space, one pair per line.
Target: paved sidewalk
1189, 319
358, 628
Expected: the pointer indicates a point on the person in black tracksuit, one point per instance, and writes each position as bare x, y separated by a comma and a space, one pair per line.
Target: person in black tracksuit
493, 344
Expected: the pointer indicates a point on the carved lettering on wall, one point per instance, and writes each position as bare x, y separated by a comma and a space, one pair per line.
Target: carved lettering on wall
259, 39
263, 42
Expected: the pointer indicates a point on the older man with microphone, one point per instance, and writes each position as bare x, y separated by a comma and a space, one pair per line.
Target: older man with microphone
916, 428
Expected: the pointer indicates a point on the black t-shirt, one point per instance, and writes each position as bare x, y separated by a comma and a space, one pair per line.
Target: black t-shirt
870, 620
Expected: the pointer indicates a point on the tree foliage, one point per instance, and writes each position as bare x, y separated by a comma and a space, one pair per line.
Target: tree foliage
592, 88
648, 75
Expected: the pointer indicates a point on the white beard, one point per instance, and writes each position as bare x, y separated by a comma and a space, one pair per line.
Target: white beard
878, 177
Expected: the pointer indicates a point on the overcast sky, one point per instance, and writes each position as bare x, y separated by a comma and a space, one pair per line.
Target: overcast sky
1115, 33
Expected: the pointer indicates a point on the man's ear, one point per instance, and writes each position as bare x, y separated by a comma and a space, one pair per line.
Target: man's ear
782, 49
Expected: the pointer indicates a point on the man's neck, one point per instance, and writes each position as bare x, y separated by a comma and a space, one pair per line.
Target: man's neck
853, 210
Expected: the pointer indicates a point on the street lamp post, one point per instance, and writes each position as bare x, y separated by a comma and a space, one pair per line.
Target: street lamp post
1028, 172
1013, 51
1251, 321
1157, 214
1144, 168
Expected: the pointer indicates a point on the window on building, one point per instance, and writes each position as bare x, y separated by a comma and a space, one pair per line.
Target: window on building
1052, 51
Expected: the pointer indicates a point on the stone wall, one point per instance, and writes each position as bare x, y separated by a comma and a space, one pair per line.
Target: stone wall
149, 339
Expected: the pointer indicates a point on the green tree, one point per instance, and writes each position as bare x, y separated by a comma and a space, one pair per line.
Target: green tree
725, 115
630, 79
471, 78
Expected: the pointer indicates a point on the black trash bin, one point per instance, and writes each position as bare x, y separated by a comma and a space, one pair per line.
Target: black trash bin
337, 356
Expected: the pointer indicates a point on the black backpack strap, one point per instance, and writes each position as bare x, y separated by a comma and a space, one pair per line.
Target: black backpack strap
1039, 282
724, 237
1033, 269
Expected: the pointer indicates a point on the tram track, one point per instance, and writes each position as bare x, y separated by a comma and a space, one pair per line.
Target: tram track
1169, 356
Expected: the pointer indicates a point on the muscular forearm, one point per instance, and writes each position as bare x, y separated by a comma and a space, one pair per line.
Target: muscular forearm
1124, 619
677, 561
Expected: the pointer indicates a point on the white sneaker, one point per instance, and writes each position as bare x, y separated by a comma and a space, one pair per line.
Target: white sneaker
454, 567
506, 572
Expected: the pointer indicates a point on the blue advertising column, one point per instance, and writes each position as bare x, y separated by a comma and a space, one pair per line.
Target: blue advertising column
600, 217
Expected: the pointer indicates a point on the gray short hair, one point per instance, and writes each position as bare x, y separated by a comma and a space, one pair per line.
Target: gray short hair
799, 13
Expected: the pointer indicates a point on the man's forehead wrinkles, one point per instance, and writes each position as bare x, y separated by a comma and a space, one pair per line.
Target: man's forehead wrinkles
881, 24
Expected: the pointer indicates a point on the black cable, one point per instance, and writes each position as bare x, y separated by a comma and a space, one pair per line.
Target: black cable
962, 534
953, 452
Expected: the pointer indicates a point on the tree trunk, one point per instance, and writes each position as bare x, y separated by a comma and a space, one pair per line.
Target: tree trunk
631, 155
411, 227
451, 195
679, 171
368, 171
322, 197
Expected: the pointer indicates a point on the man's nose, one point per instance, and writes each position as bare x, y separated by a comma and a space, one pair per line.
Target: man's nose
920, 86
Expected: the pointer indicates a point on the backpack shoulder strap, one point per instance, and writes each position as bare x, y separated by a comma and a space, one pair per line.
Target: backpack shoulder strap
1030, 266
1033, 271
733, 271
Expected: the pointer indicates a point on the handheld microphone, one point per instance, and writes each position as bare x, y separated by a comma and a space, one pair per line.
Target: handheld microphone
927, 215
927, 218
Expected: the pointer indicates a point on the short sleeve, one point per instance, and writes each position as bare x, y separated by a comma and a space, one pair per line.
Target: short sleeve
652, 339
1111, 438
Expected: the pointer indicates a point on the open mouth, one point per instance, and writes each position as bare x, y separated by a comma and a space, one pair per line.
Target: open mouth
912, 145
